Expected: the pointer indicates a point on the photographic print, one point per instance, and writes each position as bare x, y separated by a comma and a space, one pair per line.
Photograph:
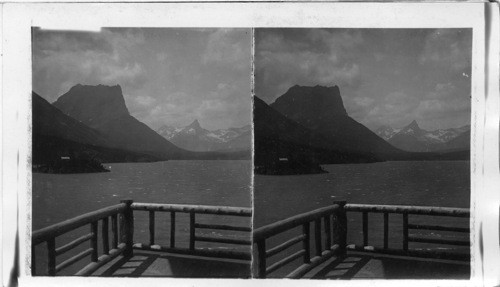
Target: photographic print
362, 153
141, 152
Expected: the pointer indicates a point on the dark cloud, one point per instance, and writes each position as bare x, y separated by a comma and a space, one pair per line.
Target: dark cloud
386, 76
168, 76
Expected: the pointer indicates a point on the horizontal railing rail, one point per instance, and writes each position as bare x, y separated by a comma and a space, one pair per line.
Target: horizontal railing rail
122, 228
405, 211
193, 211
50, 233
335, 223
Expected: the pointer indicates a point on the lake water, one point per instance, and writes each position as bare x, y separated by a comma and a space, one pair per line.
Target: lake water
427, 183
57, 197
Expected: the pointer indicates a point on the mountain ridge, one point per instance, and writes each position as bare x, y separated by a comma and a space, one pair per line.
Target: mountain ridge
415, 139
194, 137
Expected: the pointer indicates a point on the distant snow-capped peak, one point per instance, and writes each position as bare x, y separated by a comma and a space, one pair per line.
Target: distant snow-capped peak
195, 130
413, 129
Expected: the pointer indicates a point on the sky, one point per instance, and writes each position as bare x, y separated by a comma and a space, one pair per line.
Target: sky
386, 76
168, 76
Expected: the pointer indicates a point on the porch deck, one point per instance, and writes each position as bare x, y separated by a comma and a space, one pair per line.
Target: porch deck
160, 264
357, 265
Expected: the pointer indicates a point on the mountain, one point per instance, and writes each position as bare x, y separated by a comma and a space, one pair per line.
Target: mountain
415, 139
321, 110
283, 146
103, 108
56, 135
386, 132
195, 138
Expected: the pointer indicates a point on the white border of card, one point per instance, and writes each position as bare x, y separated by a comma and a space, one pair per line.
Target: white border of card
18, 18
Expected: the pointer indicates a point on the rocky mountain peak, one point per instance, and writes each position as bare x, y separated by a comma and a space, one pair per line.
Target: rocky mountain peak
92, 104
303, 103
195, 125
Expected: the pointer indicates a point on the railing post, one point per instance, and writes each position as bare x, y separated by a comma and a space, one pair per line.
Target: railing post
33, 260
51, 249
261, 254
341, 227
127, 227
405, 231
365, 228
306, 242
151, 228
328, 232
93, 241
172, 229
317, 236
386, 230
191, 230
114, 227
105, 236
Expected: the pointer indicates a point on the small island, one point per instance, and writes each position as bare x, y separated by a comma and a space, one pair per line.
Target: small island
288, 166
71, 163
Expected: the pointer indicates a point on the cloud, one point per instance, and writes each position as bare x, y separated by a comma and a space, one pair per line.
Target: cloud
285, 57
226, 47
450, 48
64, 59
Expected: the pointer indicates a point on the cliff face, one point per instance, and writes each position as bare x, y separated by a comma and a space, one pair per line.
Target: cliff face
56, 135
93, 105
103, 108
321, 110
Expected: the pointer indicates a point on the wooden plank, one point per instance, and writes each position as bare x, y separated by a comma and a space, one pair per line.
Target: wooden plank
93, 241
306, 242
438, 227
291, 222
328, 232
285, 245
73, 244
200, 209
285, 261
422, 210
438, 241
223, 227
191, 230
223, 240
102, 260
73, 259
51, 249
365, 228
317, 236
114, 229
105, 236
261, 255
151, 227
315, 262
172, 229
386, 230
209, 253
405, 231
55, 230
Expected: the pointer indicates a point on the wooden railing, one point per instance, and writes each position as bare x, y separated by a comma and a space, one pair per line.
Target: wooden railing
193, 211
405, 212
122, 241
335, 223
49, 234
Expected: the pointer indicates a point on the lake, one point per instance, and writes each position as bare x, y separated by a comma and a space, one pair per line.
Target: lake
427, 183
57, 197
